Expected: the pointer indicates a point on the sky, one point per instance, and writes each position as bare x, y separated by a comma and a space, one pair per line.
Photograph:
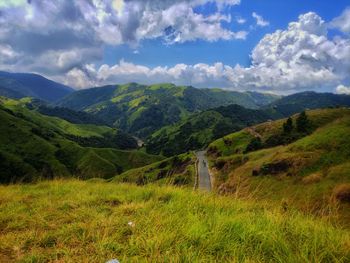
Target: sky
272, 46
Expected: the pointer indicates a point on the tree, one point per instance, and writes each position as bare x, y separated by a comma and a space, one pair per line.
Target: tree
302, 122
288, 126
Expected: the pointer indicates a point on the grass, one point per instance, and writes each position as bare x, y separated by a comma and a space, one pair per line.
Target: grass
177, 170
315, 165
95, 221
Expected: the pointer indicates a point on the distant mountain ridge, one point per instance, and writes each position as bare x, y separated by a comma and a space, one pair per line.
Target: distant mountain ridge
19, 85
199, 129
298, 102
141, 109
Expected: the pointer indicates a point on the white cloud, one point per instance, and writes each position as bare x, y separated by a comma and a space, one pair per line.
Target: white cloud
61, 34
341, 89
302, 57
61, 39
342, 22
240, 20
260, 20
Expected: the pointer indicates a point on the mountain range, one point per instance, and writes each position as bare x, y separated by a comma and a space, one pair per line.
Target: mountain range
19, 85
142, 110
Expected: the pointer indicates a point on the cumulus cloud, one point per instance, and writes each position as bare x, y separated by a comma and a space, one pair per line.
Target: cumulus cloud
260, 21
342, 22
199, 75
341, 89
59, 35
302, 57
61, 39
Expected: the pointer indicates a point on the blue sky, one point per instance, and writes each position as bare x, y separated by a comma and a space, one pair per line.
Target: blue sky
262, 45
278, 12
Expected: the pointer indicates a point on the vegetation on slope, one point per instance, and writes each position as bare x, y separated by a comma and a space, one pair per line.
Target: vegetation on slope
307, 172
141, 110
34, 146
198, 130
19, 85
177, 170
77, 117
299, 102
76, 221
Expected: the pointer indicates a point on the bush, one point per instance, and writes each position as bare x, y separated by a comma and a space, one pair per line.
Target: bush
255, 144
288, 126
342, 193
303, 123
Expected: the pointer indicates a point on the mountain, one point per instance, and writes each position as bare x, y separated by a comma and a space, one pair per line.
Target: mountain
308, 169
34, 146
298, 102
198, 130
141, 110
19, 85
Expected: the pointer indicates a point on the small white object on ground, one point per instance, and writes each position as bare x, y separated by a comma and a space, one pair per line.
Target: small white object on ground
113, 261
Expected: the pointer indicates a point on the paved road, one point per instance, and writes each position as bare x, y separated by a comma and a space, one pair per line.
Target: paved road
203, 171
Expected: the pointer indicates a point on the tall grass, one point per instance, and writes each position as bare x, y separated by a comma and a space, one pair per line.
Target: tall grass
76, 221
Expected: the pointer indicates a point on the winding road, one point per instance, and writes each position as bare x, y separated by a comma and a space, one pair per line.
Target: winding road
203, 171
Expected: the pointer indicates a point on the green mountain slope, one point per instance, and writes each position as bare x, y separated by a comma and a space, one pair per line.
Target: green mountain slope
311, 171
141, 110
198, 130
178, 170
35, 146
19, 85
298, 102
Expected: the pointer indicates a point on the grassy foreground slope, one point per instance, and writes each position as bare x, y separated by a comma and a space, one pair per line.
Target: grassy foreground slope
82, 221
313, 172
34, 146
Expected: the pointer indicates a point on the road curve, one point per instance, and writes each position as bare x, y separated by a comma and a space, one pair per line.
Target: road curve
203, 171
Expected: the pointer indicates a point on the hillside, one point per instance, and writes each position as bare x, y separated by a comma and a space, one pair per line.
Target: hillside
309, 170
298, 102
83, 221
177, 170
19, 85
34, 146
141, 110
198, 130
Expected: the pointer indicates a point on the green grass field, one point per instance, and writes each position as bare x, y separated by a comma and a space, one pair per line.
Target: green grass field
95, 221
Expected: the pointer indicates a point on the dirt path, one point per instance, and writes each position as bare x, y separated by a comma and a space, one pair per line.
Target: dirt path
203, 172
253, 132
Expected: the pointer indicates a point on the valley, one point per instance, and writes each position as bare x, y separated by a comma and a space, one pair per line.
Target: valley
202, 161
182, 131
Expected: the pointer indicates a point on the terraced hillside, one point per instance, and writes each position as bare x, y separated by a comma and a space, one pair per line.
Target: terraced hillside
34, 146
310, 169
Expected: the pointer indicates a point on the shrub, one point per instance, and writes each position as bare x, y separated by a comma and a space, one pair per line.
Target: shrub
255, 144
302, 122
288, 126
342, 192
